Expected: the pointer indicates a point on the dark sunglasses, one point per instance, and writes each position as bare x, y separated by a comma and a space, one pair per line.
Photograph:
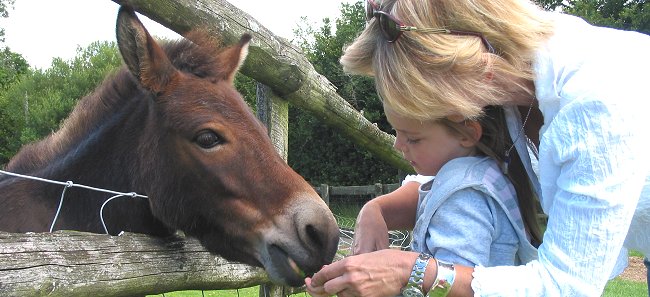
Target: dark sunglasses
392, 28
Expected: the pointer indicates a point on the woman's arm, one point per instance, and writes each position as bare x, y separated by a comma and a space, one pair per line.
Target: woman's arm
379, 274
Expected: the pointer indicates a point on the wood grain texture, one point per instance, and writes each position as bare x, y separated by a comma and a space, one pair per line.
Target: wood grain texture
70, 263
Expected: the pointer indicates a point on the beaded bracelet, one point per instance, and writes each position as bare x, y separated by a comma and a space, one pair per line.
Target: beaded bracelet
444, 279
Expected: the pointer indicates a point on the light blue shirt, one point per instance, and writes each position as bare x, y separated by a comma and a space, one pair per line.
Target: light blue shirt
592, 85
469, 215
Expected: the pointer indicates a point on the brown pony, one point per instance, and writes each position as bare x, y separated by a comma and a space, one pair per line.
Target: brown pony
170, 125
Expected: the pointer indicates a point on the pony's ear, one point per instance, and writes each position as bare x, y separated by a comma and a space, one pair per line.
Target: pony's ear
143, 56
231, 58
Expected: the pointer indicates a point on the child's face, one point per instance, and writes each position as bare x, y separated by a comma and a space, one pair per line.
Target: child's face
427, 145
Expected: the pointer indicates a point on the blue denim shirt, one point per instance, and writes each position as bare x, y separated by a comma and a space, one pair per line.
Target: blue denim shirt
469, 215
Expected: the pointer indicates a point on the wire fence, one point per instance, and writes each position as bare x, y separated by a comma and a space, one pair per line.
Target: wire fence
397, 239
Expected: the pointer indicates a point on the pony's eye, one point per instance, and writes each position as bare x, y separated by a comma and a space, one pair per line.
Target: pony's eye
208, 139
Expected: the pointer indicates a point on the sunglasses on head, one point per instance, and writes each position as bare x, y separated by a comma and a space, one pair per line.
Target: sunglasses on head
392, 28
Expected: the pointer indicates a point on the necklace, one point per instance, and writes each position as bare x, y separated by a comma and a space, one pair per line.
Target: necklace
506, 161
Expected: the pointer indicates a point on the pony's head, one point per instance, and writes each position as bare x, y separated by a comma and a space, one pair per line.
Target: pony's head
209, 164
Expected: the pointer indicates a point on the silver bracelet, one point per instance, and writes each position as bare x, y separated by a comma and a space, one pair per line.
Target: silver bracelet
414, 286
446, 275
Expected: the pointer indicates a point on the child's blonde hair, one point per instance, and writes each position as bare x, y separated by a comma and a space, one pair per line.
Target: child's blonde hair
428, 76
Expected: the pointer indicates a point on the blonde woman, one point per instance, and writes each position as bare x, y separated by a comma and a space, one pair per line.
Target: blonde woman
576, 95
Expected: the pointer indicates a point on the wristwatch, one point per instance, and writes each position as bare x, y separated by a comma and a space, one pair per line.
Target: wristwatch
414, 286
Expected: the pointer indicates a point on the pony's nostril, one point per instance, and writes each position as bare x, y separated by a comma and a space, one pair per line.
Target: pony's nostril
315, 236
318, 232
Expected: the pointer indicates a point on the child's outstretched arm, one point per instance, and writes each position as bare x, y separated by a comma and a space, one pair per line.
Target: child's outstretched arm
392, 211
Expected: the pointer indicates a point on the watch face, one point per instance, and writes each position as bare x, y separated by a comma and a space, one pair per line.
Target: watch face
412, 292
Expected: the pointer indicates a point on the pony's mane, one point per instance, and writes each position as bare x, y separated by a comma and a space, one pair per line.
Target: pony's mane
197, 57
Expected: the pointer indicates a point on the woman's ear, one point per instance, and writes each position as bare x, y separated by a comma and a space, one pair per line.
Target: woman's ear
489, 74
474, 133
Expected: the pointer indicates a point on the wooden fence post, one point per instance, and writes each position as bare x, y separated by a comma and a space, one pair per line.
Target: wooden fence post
273, 111
325, 193
379, 190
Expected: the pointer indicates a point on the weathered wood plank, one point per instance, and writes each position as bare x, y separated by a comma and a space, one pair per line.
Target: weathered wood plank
273, 112
352, 190
275, 62
375, 190
69, 263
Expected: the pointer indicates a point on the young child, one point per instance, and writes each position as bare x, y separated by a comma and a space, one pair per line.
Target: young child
470, 212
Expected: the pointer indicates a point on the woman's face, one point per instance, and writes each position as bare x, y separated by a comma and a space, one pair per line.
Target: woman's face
427, 145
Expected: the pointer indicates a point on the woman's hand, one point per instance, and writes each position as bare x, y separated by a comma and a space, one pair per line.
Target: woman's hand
377, 274
370, 231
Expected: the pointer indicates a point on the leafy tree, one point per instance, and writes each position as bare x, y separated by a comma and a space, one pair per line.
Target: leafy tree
12, 67
622, 14
316, 151
4, 13
35, 105
248, 89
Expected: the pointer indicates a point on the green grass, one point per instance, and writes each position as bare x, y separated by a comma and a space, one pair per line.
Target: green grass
345, 214
245, 292
635, 254
624, 288
615, 288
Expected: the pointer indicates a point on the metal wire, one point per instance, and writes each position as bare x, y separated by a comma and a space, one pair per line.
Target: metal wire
70, 184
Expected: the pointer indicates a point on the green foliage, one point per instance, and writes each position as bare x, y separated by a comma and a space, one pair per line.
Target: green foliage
316, 151
36, 104
12, 67
248, 89
4, 13
621, 14
4, 5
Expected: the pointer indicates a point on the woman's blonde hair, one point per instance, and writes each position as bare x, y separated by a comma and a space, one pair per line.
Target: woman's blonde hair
428, 76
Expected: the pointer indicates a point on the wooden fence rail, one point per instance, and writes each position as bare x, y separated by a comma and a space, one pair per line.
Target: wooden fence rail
71, 263
326, 191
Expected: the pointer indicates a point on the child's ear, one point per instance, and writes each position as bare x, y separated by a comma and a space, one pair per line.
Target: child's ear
475, 131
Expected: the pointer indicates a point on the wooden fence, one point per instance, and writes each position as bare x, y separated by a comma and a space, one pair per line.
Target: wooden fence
67, 263
71, 263
369, 192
